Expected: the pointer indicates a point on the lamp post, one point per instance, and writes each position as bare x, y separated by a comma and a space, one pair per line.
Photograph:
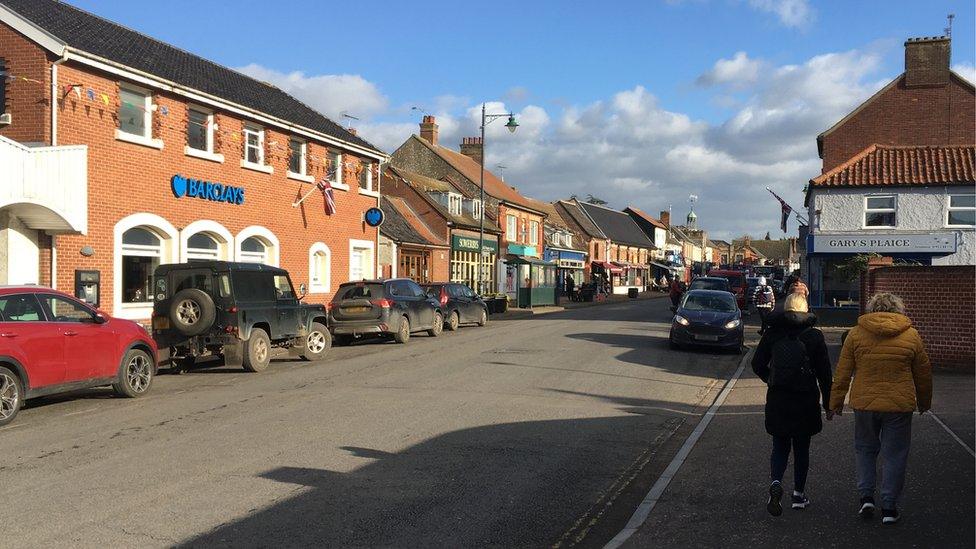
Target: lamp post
512, 125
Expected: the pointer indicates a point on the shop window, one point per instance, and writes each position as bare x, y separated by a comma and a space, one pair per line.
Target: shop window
142, 251
335, 167
135, 112
254, 145
253, 250
296, 158
962, 210
534, 233
511, 228
879, 211
199, 129
202, 247
319, 268
366, 175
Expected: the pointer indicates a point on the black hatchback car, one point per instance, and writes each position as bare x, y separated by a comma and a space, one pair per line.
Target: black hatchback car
459, 304
395, 307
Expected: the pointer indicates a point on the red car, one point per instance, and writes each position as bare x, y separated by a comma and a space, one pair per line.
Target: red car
52, 343
737, 279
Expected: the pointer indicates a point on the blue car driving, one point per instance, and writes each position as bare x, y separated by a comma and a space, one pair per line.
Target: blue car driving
708, 318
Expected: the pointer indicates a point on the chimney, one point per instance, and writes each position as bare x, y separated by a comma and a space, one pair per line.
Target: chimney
473, 148
428, 129
351, 130
747, 240
927, 62
666, 218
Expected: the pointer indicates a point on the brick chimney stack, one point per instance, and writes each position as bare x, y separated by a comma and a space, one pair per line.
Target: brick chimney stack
666, 218
927, 62
428, 129
473, 148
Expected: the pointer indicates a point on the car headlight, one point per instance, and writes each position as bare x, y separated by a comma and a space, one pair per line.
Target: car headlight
681, 320
733, 324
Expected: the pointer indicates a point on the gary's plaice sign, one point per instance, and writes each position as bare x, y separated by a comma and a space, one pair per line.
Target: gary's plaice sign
891, 243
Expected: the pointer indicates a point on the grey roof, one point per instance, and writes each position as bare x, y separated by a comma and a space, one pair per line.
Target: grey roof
575, 214
618, 226
92, 34
397, 228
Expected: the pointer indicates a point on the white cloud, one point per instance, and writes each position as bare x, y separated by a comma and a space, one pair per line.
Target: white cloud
330, 94
738, 72
966, 70
791, 13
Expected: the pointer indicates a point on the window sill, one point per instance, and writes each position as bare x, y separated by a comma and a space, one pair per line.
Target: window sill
340, 186
138, 139
367, 192
300, 177
134, 311
257, 167
205, 155
317, 290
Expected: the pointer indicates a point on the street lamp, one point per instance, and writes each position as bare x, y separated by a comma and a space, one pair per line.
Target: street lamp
512, 125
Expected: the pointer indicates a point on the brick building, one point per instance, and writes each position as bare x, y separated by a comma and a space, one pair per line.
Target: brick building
128, 153
897, 179
408, 247
596, 244
629, 250
522, 225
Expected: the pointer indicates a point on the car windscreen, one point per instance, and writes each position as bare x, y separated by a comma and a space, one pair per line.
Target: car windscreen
360, 291
710, 302
709, 285
433, 290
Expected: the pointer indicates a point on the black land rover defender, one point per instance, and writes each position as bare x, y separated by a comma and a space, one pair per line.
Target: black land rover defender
235, 310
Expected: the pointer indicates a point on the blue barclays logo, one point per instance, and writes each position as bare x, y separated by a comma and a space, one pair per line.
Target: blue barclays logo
214, 192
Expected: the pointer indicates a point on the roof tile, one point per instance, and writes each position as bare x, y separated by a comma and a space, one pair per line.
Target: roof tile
880, 165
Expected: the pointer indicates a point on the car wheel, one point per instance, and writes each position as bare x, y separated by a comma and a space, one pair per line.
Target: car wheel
192, 312
453, 322
317, 343
484, 317
341, 340
257, 351
135, 375
438, 325
403, 333
11, 395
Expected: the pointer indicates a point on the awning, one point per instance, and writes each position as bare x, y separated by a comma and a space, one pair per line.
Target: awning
609, 267
517, 260
662, 265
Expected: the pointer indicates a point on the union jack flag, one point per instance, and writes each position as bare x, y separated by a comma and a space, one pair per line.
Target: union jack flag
326, 188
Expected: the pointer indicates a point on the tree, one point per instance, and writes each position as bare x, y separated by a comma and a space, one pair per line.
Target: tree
590, 199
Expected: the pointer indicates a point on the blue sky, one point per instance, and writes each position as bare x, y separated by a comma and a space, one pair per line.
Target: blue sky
735, 90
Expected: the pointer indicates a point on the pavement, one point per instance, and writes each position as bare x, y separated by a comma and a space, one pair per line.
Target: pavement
536, 431
718, 497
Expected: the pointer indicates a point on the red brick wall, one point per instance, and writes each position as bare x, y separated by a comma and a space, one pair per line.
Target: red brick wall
906, 116
27, 101
940, 300
126, 178
524, 219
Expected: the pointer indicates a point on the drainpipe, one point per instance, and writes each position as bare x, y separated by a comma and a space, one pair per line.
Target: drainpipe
54, 98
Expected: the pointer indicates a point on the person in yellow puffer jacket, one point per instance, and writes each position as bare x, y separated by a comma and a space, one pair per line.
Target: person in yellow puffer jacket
892, 379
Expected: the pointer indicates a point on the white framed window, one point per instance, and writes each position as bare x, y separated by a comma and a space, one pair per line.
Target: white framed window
135, 111
254, 145
511, 228
256, 244
254, 250
476, 208
361, 254
199, 129
454, 203
880, 211
142, 252
366, 175
534, 233
142, 242
961, 211
296, 159
568, 240
319, 268
202, 247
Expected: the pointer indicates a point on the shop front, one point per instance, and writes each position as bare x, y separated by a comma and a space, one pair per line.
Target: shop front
465, 261
509, 280
630, 277
828, 254
534, 281
569, 270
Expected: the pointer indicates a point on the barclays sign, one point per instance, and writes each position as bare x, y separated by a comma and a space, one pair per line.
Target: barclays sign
205, 190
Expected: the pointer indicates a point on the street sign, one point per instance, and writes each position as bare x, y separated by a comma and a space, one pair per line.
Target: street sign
932, 243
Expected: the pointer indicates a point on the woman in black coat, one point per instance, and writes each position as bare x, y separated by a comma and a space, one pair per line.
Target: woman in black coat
792, 359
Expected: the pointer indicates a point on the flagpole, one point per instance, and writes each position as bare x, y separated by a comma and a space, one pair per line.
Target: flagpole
799, 217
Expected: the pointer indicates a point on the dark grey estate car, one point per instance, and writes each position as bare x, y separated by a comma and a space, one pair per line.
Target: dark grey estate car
459, 303
396, 307
237, 311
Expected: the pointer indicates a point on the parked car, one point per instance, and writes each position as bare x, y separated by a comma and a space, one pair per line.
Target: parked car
234, 311
708, 318
711, 283
737, 279
396, 308
52, 343
459, 304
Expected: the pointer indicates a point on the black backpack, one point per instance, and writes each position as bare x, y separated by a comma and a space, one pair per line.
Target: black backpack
790, 366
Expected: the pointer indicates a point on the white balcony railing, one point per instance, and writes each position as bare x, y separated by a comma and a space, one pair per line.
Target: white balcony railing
45, 187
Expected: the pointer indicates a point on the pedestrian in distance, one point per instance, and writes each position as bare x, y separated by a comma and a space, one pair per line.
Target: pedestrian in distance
892, 378
765, 300
792, 360
795, 284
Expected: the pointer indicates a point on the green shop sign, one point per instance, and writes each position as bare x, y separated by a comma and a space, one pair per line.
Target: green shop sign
470, 244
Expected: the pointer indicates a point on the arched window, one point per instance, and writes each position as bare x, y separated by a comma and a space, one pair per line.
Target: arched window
319, 268
253, 250
142, 251
202, 247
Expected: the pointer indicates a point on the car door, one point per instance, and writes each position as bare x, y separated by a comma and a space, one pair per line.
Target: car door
460, 299
423, 310
25, 330
287, 306
403, 301
90, 348
472, 303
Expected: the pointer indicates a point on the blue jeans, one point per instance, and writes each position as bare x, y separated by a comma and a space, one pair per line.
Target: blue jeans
887, 433
781, 456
